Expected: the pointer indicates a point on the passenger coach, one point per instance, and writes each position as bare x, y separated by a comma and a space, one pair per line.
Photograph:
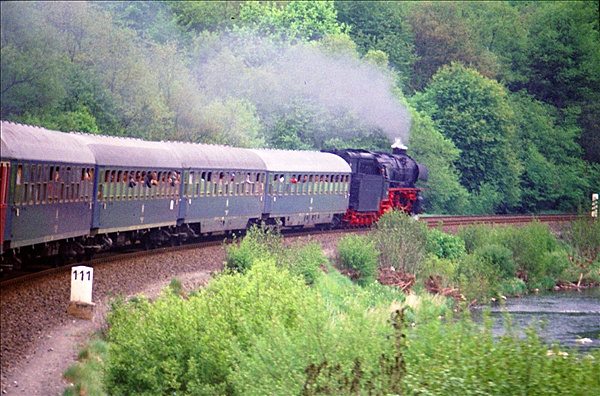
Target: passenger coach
47, 191
136, 192
305, 188
222, 187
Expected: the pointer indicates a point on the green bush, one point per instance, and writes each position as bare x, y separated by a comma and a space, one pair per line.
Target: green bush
358, 253
260, 242
500, 258
530, 245
401, 241
557, 261
444, 245
476, 236
439, 268
265, 332
476, 278
581, 238
512, 287
304, 260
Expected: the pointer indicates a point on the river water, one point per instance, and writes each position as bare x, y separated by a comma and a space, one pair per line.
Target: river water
560, 317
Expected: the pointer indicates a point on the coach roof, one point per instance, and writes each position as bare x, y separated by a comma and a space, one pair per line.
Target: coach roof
215, 157
26, 142
302, 161
129, 152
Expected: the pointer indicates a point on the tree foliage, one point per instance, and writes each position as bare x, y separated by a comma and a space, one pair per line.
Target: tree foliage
505, 95
474, 112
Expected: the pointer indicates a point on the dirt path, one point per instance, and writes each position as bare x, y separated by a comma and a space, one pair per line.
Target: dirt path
40, 371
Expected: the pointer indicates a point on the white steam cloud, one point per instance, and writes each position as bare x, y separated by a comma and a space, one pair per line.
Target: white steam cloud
271, 77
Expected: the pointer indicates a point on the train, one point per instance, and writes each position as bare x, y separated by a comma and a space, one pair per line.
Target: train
67, 196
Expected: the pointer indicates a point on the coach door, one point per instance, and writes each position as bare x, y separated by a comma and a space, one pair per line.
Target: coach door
4, 180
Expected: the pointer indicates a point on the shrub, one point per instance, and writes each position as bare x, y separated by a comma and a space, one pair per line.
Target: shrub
401, 240
304, 260
358, 253
476, 236
556, 262
444, 245
475, 277
439, 268
530, 245
460, 358
512, 287
260, 242
500, 258
582, 239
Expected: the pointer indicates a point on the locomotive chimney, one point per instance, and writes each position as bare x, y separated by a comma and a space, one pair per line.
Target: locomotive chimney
398, 147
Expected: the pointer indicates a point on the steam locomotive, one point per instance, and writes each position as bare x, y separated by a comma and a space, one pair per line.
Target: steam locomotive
70, 195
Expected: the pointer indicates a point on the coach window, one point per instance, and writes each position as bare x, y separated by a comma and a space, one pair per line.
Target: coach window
27, 181
131, 185
24, 193
66, 187
261, 179
45, 183
332, 185
32, 180
238, 183
168, 189
35, 184
113, 185
59, 178
258, 188
187, 185
103, 188
287, 184
201, 184
207, 183
125, 181
84, 178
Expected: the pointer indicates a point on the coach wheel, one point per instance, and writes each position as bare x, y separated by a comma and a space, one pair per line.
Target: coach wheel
146, 242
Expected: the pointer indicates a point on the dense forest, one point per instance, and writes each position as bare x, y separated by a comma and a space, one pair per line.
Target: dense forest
500, 99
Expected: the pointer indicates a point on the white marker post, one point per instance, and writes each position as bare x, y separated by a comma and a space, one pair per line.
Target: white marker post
594, 205
81, 305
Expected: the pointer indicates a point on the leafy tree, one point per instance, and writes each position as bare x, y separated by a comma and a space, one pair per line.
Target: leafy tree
442, 36
564, 63
195, 17
499, 33
291, 22
31, 61
381, 26
549, 149
443, 192
475, 113
233, 122
150, 19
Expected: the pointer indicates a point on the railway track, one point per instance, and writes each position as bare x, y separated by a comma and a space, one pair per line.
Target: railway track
454, 221
447, 223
